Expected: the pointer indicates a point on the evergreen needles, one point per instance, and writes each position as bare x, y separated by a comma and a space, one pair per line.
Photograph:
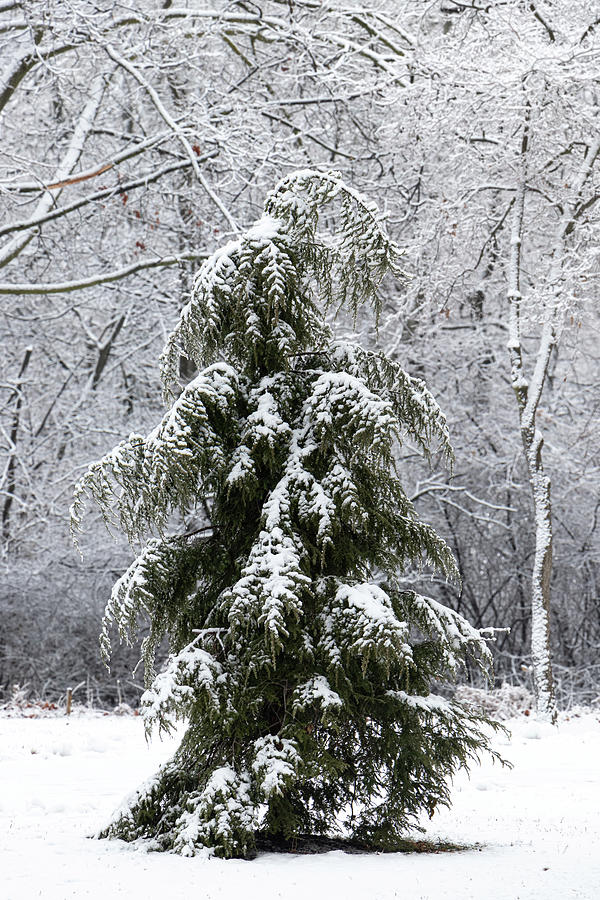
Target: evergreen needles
301, 667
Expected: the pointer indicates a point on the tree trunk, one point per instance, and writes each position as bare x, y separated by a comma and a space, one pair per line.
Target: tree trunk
540, 581
10, 472
528, 394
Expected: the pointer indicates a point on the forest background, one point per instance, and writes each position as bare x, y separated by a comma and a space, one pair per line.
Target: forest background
136, 137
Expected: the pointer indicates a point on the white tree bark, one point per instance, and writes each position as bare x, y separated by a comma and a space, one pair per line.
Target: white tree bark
528, 393
527, 396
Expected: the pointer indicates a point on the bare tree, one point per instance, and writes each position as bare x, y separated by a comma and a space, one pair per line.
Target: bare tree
509, 198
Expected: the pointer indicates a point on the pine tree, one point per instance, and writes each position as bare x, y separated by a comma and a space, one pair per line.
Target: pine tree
300, 664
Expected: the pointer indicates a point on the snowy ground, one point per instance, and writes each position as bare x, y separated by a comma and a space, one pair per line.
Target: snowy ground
536, 827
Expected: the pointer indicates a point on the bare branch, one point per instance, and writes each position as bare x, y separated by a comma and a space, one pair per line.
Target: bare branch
177, 131
69, 161
66, 287
142, 181
26, 187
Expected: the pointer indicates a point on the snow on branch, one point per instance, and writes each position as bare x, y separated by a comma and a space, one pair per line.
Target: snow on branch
143, 479
452, 634
362, 251
192, 677
229, 310
412, 403
79, 284
58, 212
341, 409
270, 588
177, 130
276, 763
224, 810
257, 294
13, 247
360, 621
316, 691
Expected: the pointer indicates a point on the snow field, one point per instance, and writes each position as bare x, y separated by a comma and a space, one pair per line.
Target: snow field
534, 829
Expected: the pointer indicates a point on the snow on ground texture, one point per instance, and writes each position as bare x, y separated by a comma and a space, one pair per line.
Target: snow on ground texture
535, 827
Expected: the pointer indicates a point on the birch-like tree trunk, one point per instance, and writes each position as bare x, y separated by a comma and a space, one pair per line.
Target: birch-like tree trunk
527, 395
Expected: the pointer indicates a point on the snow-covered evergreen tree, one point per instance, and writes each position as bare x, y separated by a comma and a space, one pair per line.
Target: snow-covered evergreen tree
300, 664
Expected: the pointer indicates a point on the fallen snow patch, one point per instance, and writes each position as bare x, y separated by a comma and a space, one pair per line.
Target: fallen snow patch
534, 829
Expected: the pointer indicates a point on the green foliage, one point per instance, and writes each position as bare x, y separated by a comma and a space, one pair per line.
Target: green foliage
302, 668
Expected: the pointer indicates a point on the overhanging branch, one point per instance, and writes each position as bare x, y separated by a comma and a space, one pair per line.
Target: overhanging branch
66, 287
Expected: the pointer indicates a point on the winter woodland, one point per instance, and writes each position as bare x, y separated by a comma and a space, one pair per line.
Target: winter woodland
137, 139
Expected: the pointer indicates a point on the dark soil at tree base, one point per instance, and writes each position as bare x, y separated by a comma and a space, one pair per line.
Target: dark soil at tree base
317, 843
